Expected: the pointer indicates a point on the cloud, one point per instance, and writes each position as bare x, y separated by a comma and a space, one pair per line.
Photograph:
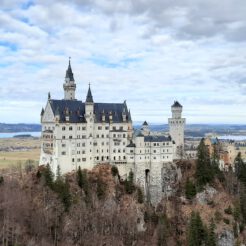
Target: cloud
147, 52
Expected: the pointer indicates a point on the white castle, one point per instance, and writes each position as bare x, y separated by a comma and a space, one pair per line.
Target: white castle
85, 134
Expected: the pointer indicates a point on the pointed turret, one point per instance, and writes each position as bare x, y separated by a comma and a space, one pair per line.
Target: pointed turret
42, 112
89, 98
69, 72
69, 86
129, 116
49, 96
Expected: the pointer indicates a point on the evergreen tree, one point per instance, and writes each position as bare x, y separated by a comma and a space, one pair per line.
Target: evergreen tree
48, 176
243, 202
196, 231
190, 189
1, 180
129, 185
240, 168
114, 171
211, 237
204, 171
80, 177
140, 196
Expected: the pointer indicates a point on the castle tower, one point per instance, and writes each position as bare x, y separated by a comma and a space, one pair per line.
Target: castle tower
176, 124
89, 116
69, 85
145, 129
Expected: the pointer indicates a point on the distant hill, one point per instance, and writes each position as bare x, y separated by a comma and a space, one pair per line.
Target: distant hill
20, 127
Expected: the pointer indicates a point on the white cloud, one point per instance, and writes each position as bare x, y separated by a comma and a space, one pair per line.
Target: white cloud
147, 52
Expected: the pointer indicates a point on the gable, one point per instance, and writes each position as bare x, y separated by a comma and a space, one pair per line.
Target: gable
48, 115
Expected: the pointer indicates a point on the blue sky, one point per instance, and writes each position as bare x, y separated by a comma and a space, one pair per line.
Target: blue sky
148, 53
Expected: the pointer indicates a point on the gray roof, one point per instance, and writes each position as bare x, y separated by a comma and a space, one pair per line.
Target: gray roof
69, 72
145, 123
76, 111
131, 144
157, 139
177, 104
89, 97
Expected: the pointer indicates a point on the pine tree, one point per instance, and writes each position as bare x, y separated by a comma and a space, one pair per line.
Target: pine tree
114, 171
140, 196
243, 202
163, 230
196, 231
211, 237
48, 176
204, 171
240, 168
80, 177
190, 189
129, 185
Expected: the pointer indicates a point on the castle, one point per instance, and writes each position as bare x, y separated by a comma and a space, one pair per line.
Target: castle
76, 133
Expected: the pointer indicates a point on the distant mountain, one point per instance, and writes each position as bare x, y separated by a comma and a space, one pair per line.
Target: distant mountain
20, 127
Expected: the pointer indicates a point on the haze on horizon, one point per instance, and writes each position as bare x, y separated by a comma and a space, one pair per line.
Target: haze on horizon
149, 53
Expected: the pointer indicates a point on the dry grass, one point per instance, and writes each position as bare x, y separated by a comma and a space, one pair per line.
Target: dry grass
14, 158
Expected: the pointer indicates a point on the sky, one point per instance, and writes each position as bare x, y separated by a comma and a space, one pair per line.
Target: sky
149, 53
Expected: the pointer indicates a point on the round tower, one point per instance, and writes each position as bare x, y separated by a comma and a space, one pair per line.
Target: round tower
177, 124
69, 85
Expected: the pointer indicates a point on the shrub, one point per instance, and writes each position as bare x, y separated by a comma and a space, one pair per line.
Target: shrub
226, 221
114, 171
190, 189
140, 196
228, 210
217, 216
1, 180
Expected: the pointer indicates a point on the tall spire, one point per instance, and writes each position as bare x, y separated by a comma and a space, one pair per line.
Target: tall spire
69, 72
69, 85
89, 98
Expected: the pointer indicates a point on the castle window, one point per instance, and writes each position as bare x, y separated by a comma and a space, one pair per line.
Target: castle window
154, 144
83, 159
98, 158
63, 128
70, 137
167, 143
102, 135
83, 136
78, 159
102, 143
114, 128
121, 128
78, 144
131, 151
97, 135
83, 144
154, 151
83, 128
63, 137
107, 136
70, 128
63, 153
118, 150
114, 135
99, 128
83, 152
114, 150
63, 145
124, 157
73, 160
106, 127
114, 158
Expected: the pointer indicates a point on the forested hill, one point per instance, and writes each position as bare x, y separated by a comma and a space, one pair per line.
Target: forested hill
20, 127
98, 207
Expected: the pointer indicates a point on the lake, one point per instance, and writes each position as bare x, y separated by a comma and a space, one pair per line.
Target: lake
12, 134
233, 137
